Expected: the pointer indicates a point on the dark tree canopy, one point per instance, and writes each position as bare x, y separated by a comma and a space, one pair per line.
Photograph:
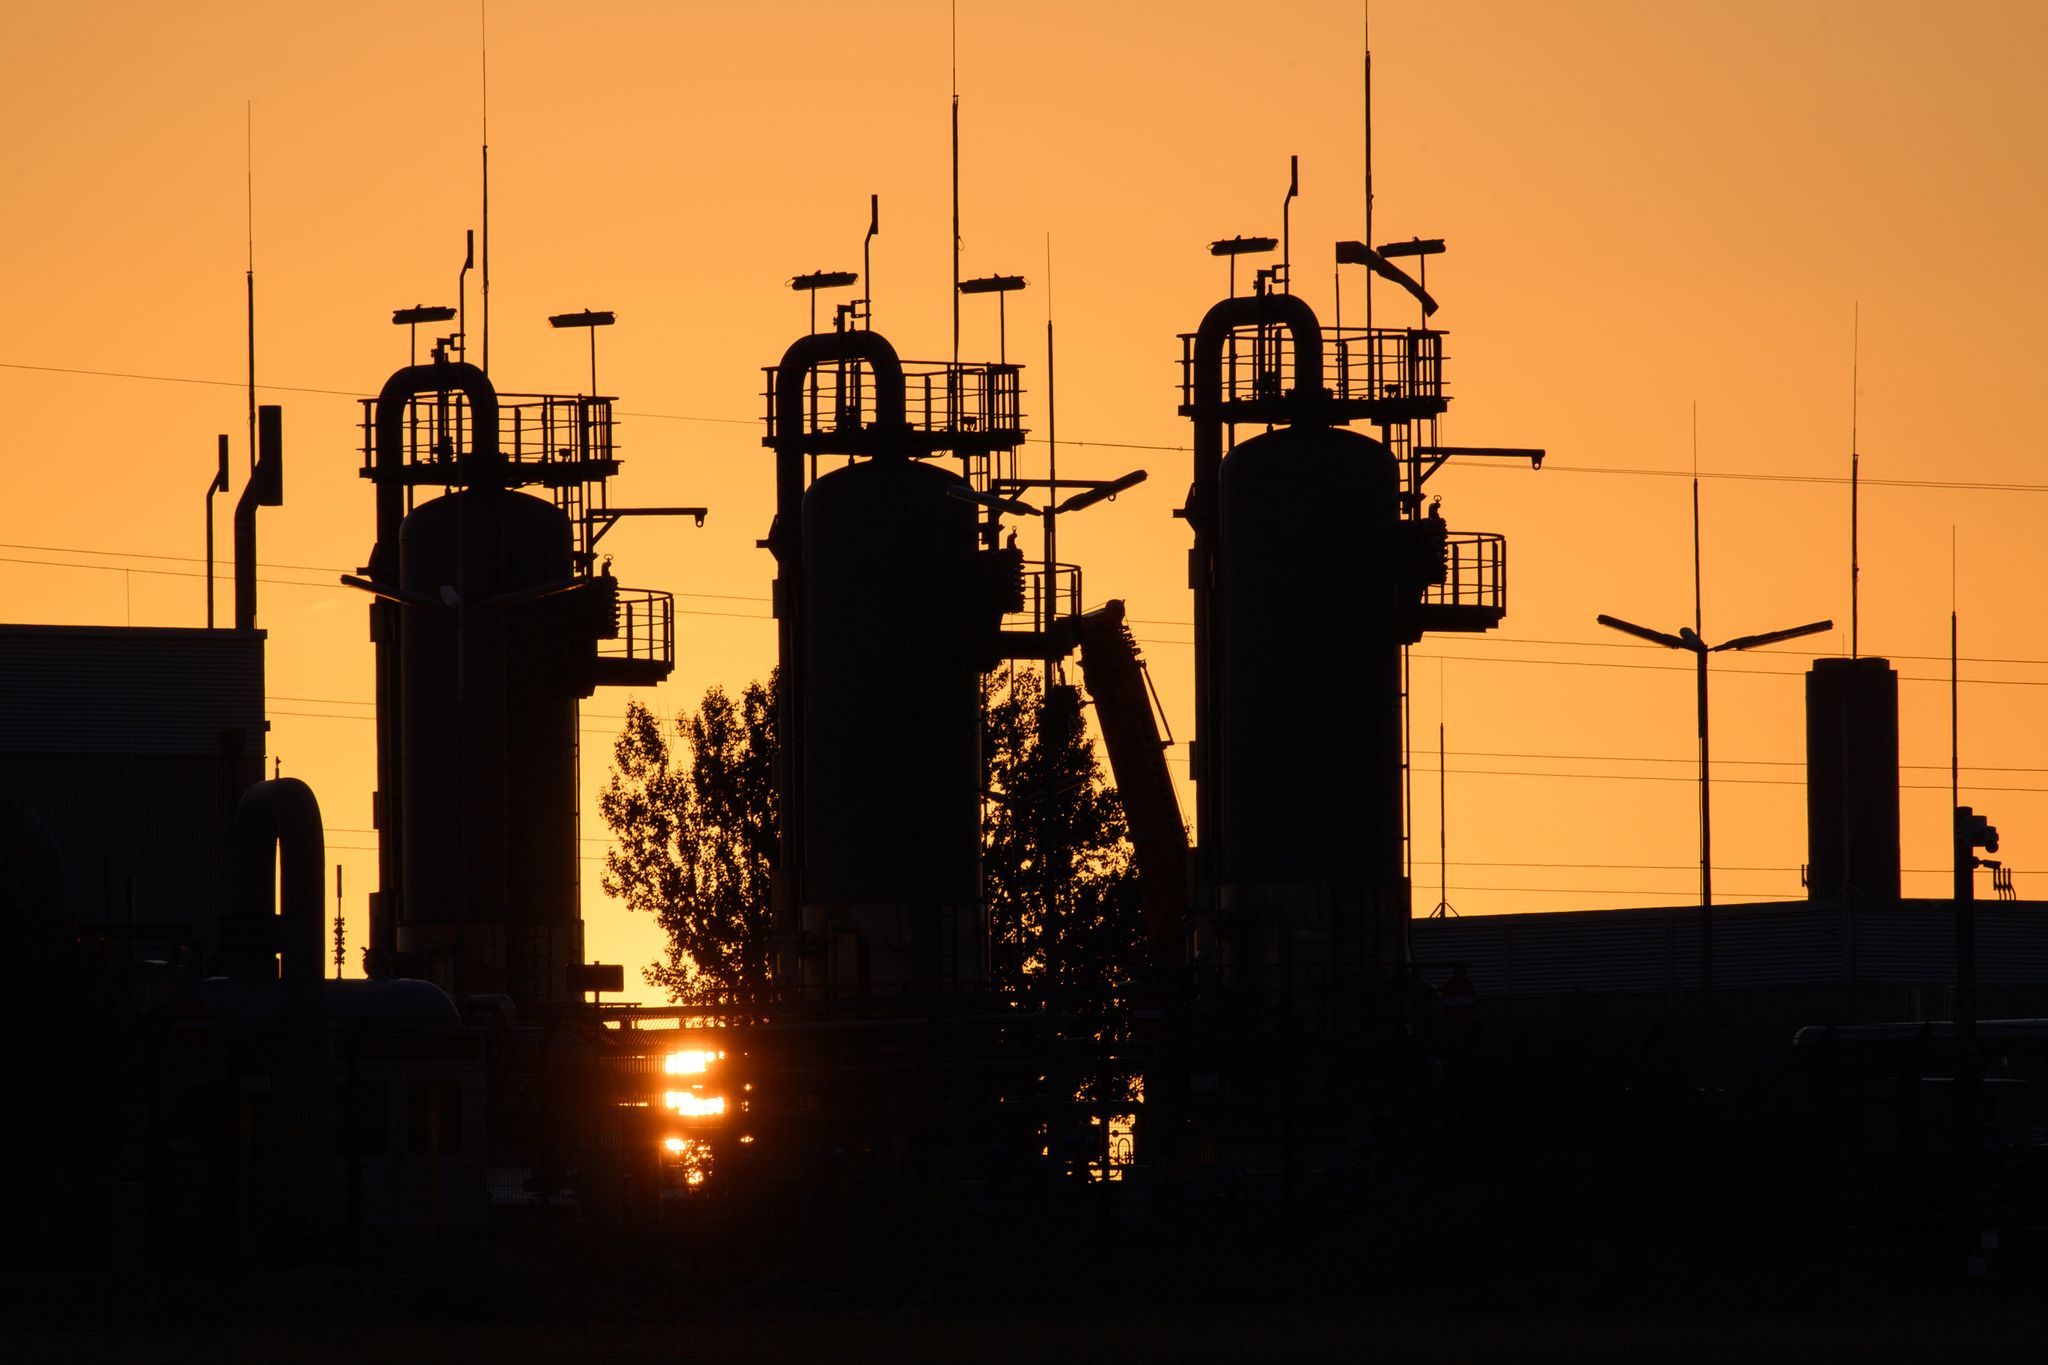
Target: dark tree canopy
1061, 887
695, 826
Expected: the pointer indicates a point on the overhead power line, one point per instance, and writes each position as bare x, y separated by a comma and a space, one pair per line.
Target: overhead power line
1550, 466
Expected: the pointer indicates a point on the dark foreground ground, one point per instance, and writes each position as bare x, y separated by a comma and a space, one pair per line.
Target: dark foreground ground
1539, 1284
1227, 1333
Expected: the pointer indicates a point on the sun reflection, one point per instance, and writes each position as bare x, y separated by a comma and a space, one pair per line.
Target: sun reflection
691, 1061
686, 1163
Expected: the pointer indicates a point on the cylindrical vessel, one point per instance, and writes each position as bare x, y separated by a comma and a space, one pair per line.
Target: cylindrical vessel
892, 731
1852, 780
1310, 856
489, 668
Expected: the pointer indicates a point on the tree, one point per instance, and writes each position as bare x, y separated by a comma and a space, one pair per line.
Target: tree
695, 844
1059, 879
1062, 888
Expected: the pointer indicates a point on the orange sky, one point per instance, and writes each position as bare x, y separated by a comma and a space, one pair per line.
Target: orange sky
1646, 205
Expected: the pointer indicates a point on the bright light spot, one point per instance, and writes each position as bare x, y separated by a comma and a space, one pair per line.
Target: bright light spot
694, 1106
691, 1062
689, 1163
748, 1137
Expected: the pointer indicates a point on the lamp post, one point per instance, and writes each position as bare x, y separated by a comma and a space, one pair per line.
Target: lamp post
592, 320
1689, 640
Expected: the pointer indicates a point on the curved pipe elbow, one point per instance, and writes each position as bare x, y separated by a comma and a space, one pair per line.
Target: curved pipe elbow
280, 857
1251, 310
819, 348
443, 376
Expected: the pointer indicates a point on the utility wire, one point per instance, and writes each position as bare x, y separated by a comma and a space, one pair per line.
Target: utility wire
1962, 485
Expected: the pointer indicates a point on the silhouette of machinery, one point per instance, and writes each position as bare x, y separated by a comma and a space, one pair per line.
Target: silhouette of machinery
890, 607
493, 618
1314, 564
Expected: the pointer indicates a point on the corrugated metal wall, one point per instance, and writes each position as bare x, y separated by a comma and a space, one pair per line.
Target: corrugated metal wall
108, 690
133, 747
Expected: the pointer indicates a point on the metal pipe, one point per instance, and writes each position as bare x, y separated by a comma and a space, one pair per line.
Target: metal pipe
264, 489
279, 821
388, 452
786, 542
219, 484
1218, 325
389, 448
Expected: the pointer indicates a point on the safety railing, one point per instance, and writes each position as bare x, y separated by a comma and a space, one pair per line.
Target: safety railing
1475, 572
536, 431
1376, 365
963, 407
1046, 602
645, 628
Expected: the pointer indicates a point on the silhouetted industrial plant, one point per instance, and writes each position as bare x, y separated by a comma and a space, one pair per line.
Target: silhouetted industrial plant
1295, 1047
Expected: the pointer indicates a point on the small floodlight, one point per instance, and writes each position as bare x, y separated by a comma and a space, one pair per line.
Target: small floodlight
590, 319
992, 284
824, 279
412, 317
1242, 246
406, 317
1414, 246
821, 279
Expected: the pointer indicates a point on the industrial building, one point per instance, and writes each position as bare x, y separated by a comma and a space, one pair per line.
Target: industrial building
1297, 1033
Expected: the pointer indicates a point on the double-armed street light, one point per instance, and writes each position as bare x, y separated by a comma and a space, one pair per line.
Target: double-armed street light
1689, 640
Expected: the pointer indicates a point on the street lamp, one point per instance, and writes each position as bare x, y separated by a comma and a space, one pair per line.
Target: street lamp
1689, 640
591, 320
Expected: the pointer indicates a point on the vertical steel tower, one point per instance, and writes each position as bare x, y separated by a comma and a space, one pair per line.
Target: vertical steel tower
1315, 563
494, 617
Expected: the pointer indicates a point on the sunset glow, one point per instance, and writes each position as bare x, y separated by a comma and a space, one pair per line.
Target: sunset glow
1644, 205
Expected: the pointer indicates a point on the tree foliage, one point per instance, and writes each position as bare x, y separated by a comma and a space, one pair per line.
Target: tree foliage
1061, 885
695, 824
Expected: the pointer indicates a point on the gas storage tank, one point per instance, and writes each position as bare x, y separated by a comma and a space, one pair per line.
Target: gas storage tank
894, 627
490, 671
1311, 578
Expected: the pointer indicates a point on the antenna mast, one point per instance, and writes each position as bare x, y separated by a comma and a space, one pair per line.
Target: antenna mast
1698, 614
955, 51
484, 52
249, 277
1368, 168
1052, 474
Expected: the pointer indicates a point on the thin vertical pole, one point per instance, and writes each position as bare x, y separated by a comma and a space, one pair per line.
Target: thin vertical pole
1368, 187
1699, 645
484, 56
1050, 590
1443, 839
249, 277
1964, 1008
1855, 477
1052, 497
955, 69
340, 951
